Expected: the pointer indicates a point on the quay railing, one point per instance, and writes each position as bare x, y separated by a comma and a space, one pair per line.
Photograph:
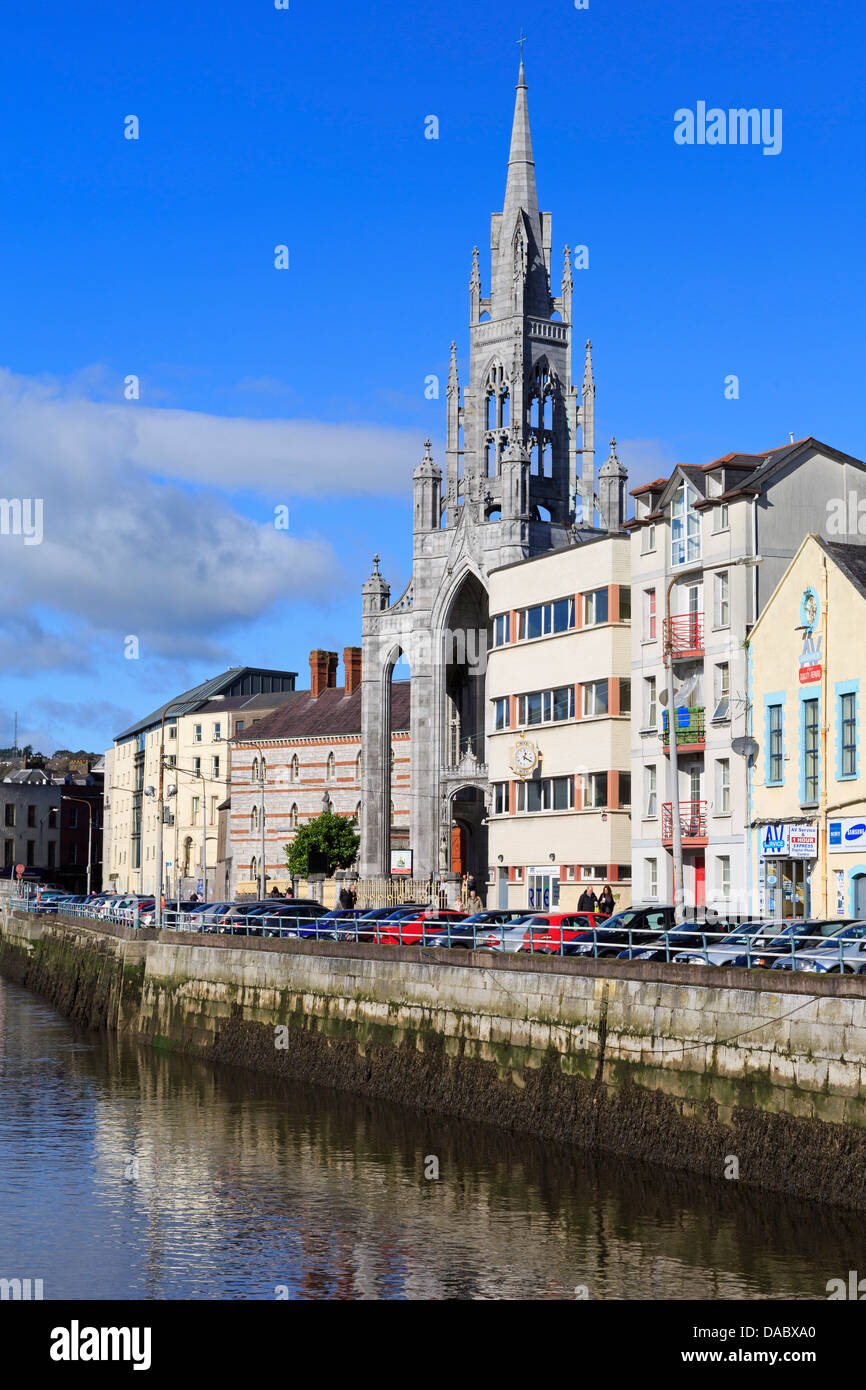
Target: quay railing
837, 946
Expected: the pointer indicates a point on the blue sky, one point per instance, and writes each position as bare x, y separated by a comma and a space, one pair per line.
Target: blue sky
305, 388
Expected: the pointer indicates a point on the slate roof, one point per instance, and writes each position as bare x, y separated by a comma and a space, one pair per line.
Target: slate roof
756, 468
851, 560
333, 712
193, 699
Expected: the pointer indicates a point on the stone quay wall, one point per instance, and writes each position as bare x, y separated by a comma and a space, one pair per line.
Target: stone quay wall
726, 1072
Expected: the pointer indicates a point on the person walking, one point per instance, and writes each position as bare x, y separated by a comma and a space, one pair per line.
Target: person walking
474, 903
605, 902
587, 902
345, 899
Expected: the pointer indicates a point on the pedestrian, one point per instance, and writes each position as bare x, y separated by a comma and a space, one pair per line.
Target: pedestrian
474, 903
354, 898
587, 902
193, 897
345, 899
605, 902
275, 892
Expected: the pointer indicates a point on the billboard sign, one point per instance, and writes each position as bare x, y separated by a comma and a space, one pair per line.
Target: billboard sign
774, 841
848, 835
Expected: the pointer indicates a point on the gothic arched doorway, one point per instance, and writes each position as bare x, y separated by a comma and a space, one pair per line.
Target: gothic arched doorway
469, 834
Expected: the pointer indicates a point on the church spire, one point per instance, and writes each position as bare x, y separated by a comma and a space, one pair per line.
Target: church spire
520, 190
520, 277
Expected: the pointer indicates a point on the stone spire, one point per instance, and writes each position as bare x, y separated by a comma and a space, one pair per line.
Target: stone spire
520, 282
375, 593
611, 491
520, 190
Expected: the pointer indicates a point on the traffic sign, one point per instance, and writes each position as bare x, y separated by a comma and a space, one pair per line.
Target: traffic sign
19, 869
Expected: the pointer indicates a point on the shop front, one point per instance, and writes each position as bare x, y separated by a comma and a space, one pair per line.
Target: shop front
788, 853
846, 846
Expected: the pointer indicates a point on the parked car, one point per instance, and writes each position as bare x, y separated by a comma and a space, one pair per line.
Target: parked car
698, 935
203, 918
299, 919
624, 929
368, 922
731, 950
551, 933
771, 944
843, 953
464, 934
409, 929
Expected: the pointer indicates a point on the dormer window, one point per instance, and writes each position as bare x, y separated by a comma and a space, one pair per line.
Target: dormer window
685, 527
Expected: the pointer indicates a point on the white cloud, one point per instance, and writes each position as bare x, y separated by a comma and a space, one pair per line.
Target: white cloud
138, 539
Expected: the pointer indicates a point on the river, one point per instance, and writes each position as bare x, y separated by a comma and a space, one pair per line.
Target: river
127, 1173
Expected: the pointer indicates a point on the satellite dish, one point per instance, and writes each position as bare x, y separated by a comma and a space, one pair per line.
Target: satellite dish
745, 747
663, 697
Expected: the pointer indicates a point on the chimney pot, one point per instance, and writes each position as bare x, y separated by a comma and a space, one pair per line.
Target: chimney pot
352, 667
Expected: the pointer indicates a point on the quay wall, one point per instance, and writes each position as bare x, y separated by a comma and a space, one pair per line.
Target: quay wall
734, 1074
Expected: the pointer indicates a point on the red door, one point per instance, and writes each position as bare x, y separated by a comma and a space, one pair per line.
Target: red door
458, 849
700, 881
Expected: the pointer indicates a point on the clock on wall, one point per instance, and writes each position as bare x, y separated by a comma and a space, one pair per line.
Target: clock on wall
524, 757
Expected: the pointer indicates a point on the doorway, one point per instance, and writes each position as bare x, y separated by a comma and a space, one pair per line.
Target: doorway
859, 894
543, 889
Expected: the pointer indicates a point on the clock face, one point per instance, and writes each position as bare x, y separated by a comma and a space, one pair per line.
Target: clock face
525, 757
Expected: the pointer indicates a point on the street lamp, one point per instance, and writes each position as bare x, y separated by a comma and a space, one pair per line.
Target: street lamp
677, 825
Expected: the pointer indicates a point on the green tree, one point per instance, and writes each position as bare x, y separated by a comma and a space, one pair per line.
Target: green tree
331, 836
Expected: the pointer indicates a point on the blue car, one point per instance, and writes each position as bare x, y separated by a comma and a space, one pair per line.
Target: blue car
694, 935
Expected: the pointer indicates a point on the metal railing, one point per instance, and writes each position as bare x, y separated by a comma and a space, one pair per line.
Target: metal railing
779, 944
693, 819
690, 730
684, 635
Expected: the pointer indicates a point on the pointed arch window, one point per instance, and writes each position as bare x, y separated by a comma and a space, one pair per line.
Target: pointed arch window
254, 868
293, 817
295, 769
359, 766
497, 408
255, 769
331, 771
254, 818
358, 815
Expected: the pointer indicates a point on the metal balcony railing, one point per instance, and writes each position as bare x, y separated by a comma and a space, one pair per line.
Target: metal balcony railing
690, 726
684, 635
693, 818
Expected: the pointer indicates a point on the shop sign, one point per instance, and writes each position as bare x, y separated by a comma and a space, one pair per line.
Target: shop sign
847, 836
803, 841
810, 660
774, 841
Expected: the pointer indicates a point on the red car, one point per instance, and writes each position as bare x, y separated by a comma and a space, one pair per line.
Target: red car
548, 932
409, 931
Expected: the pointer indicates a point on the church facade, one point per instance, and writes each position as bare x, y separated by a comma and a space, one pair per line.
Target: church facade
518, 482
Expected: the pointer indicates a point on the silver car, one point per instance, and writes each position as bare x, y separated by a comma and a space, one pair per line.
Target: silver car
732, 950
504, 938
843, 954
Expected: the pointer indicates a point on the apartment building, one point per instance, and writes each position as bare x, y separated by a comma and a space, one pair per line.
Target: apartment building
306, 758
558, 726
807, 671
709, 544
199, 725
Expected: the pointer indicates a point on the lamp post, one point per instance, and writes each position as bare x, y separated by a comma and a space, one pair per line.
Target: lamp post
676, 818
84, 802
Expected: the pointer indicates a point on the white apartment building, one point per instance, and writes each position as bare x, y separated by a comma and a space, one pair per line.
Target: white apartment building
558, 720
198, 727
719, 538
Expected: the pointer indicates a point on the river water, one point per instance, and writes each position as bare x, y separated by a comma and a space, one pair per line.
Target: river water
125, 1173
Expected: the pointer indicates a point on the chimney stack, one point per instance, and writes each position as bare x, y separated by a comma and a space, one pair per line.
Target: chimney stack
323, 672
352, 664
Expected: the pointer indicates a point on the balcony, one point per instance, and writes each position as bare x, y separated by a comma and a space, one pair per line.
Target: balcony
693, 818
690, 730
684, 636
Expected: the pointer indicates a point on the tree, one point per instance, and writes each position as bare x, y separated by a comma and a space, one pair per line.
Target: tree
331, 836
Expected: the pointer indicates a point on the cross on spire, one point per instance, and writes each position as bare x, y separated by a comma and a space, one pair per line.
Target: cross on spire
521, 41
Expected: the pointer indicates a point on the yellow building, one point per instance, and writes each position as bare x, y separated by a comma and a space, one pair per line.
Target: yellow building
807, 660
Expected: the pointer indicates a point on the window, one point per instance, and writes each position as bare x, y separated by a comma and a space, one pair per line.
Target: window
648, 539
31, 816
293, 817
623, 873
848, 735
685, 527
723, 787
624, 695
255, 769
624, 790
31, 853
503, 710
52, 854
73, 818
196, 805
213, 810
295, 772
650, 703
546, 794
596, 789
172, 731
500, 798
544, 706
215, 768
10, 814
720, 517
8, 848
649, 615
811, 755
331, 768
547, 618
722, 691
624, 604
776, 748
722, 608
595, 698
217, 732
651, 803
651, 877
595, 607
724, 862
52, 818
196, 733
518, 873
502, 630
593, 871
239, 726
196, 766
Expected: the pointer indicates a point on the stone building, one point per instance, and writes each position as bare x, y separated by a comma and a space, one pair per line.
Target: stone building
305, 758
518, 480
52, 825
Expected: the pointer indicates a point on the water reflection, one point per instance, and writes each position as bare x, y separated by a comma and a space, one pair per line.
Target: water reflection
129, 1174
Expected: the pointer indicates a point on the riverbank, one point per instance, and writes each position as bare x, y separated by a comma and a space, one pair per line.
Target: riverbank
709, 1071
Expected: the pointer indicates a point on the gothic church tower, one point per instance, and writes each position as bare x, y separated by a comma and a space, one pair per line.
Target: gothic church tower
512, 489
